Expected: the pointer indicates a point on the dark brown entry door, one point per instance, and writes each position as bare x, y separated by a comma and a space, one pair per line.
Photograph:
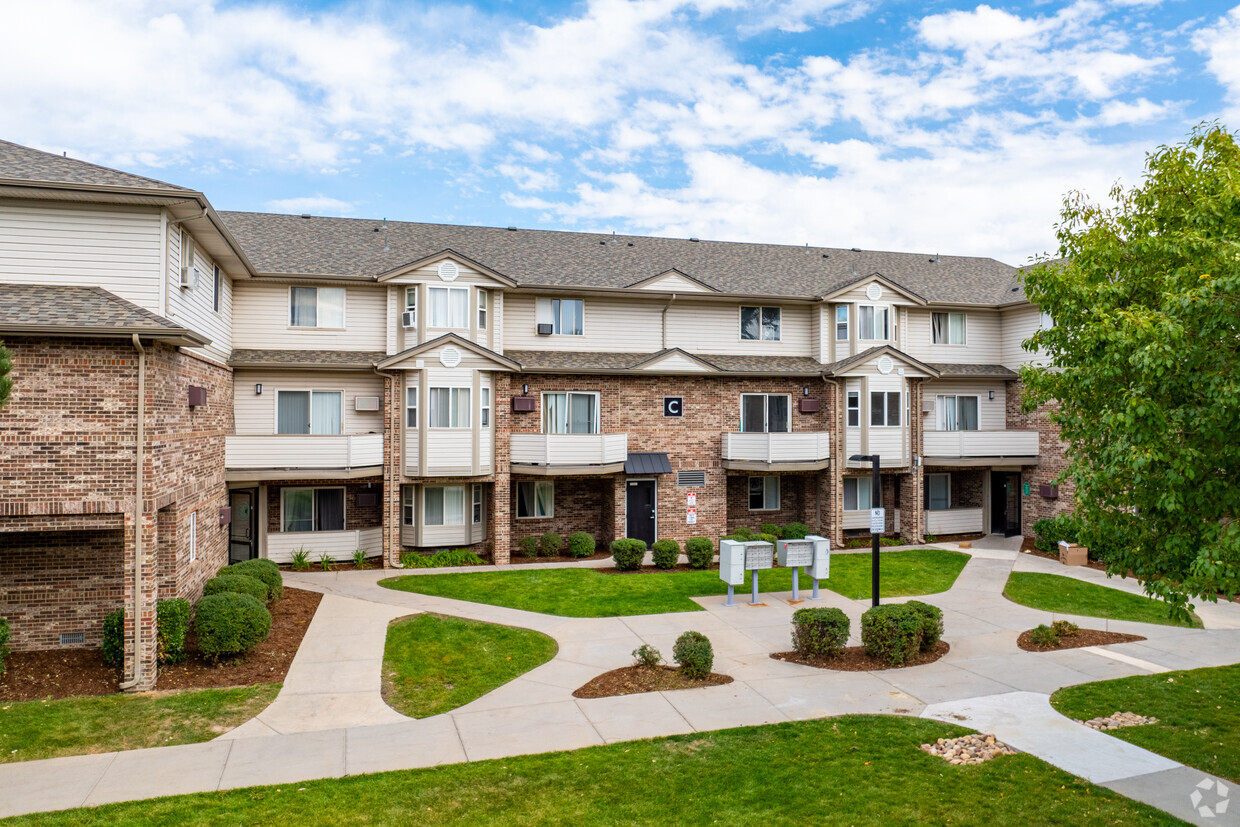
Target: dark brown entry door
1005, 503
641, 510
243, 531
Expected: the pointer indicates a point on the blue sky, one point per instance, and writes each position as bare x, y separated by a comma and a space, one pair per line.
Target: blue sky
951, 127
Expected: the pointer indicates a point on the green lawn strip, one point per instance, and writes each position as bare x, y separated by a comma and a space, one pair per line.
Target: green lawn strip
583, 592
432, 663
1198, 716
1067, 595
31, 730
857, 770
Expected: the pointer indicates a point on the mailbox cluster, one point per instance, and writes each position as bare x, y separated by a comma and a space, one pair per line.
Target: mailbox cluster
736, 558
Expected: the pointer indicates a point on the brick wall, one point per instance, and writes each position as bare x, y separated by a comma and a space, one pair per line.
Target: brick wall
581, 504
355, 516
1052, 460
797, 502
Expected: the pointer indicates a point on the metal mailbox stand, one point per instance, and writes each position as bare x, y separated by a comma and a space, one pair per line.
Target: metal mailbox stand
736, 558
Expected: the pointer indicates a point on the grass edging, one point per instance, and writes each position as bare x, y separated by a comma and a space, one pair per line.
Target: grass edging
1069, 596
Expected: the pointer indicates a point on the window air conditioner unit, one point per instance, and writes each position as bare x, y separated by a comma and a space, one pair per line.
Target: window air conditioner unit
407, 319
365, 403
927, 406
189, 278
545, 329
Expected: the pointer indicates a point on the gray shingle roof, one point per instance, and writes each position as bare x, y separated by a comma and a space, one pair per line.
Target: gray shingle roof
948, 370
86, 310
341, 359
26, 164
354, 248
533, 361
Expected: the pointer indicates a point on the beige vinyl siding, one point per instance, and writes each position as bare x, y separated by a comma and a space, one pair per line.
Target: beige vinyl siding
709, 327
413, 436
395, 306
991, 413
889, 442
430, 275
981, 334
486, 443
1018, 325
193, 306
261, 319
674, 283
676, 362
610, 324
255, 414
116, 248
451, 450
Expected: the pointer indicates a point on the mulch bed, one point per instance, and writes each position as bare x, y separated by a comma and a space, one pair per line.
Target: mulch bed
1085, 637
64, 673
632, 680
376, 563
854, 659
560, 558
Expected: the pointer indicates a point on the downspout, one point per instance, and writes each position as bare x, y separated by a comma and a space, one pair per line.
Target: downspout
139, 513
664, 319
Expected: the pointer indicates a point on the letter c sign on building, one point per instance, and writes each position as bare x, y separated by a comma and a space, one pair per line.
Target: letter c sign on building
673, 405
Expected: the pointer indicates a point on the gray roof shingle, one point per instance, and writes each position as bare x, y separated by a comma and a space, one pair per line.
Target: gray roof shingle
533, 361
25, 164
987, 371
85, 310
339, 359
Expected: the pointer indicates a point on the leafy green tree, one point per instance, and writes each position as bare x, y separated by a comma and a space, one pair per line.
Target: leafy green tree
6, 381
1145, 297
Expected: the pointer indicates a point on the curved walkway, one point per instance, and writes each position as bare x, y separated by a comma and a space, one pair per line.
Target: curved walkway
330, 720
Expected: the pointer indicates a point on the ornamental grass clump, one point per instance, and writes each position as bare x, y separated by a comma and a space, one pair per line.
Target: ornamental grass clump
820, 633
628, 553
580, 544
666, 554
238, 583
701, 552
229, 624
694, 654
891, 633
931, 623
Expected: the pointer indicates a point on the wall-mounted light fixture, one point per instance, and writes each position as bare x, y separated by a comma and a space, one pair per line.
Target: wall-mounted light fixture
805, 391
525, 389
258, 388
992, 394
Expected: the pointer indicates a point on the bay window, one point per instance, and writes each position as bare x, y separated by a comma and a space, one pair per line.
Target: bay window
884, 408
443, 505
447, 307
874, 323
841, 323
449, 408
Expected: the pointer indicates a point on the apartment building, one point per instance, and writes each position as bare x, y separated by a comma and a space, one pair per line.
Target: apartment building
197, 386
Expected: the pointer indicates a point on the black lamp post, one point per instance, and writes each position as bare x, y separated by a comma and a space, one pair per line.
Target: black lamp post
876, 501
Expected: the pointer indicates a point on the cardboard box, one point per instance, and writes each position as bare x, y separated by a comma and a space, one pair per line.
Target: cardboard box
1070, 554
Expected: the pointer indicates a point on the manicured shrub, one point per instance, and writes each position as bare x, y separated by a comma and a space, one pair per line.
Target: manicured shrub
770, 528
628, 554
229, 624
666, 554
1066, 628
580, 544
1048, 532
528, 546
440, 559
264, 570
891, 633
820, 632
694, 654
701, 552
931, 623
767, 538
239, 583
744, 535
172, 624
1043, 635
550, 544
114, 638
647, 656
4, 643
794, 531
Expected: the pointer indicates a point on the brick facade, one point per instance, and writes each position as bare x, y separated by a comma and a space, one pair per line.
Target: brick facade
356, 516
1052, 461
581, 504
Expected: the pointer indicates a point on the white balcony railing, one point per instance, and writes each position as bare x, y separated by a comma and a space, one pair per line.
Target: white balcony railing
954, 521
302, 451
967, 444
802, 446
569, 449
338, 545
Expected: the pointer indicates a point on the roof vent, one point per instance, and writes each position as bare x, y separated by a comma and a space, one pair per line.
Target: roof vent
826, 255
448, 270
695, 239
856, 249
602, 242
630, 244
512, 229
305, 215
1015, 289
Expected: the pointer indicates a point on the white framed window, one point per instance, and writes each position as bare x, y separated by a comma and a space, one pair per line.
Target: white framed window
443, 505
193, 536
312, 509
449, 408
570, 412
884, 409
535, 499
216, 284
1045, 320
956, 413
947, 328
483, 302
566, 316
316, 307
187, 249
308, 412
857, 492
764, 493
411, 407
873, 323
447, 307
486, 408
477, 496
938, 492
765, 413
841, 323
760, 323
854, 409
411, 303
407, 511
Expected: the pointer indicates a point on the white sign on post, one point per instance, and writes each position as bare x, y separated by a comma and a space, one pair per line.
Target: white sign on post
878, 520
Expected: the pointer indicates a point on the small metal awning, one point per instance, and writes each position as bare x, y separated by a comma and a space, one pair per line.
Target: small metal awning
652, 463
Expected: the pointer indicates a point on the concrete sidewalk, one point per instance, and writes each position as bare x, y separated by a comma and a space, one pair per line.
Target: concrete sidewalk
330, 720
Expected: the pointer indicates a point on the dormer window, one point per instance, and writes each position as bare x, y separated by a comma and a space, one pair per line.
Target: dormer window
760, 324
874, 323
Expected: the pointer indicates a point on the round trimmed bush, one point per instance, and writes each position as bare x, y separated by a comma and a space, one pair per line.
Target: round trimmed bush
229, 624
172, 625
931, 623
238, 583
795, 531
767, 538
694, 654
770, 528
744, 535
666, 554
528, 546
891, 633
550, 544
580, 544
820, 632
114, 638
260, 569
701, 552
628, 554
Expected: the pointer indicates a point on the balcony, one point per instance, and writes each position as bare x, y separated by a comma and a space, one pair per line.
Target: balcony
799, 451
569, 453
302, 456
954, 521
979, 447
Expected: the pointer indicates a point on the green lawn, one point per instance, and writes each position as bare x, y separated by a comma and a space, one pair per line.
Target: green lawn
1197, 711
856, 770
1067, 595
581, 592
76, 726
432, 663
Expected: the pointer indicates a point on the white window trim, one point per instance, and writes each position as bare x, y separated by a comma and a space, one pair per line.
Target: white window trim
766, 413
740, 323
940, 420
430, 322
964, 323
411, 393
858, 481
484, 407
899, 407
412, 291
314, 517
445, 524
193, 536
484, 309
476, 505
555, 322
517, 509
949, 492
848, 409
452, 407
779, 493
598, 413
408, 506
344, 308
890, 322
276, 426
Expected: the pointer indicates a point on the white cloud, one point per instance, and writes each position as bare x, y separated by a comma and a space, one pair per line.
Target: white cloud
802, 15
1218, 44
1114, 113
528, 179
314, 204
